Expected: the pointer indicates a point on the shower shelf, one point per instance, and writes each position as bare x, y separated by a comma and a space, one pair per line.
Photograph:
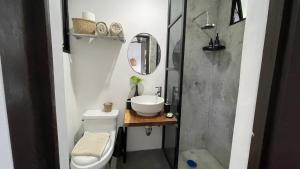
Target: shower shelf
207, 48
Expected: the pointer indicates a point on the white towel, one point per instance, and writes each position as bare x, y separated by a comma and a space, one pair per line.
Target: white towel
102, 29
91, 144
116, 29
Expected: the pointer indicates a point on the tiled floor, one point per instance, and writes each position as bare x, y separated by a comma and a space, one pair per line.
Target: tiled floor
150, 159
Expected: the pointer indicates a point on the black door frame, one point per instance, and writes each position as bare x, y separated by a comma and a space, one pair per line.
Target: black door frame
25, 46
274, 47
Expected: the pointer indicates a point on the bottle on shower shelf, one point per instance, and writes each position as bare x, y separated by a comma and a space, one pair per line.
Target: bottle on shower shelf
217, 41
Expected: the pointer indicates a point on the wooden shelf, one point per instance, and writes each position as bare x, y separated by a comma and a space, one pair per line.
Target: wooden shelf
133, 120
80, 36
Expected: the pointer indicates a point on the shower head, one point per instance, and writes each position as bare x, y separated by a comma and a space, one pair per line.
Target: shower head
208, 26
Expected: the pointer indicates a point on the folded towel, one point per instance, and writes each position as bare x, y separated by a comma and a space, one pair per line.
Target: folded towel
91, 144
102, 29
116, 29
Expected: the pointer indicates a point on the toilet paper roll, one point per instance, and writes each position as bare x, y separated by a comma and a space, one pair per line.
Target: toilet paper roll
88, 16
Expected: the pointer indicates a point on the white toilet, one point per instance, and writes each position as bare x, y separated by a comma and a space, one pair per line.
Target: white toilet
98, 121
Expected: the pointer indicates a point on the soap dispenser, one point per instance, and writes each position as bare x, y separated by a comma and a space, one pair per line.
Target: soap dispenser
217, 41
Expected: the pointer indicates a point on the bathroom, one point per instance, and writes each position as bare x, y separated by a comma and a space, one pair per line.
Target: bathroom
97, 71
153, 84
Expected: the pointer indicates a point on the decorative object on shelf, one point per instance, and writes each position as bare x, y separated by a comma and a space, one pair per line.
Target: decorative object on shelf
167, 107
135, 80
88, 16
170, 115
116, 29
107, 107
83, 26
128, 104
214, 45
86, 27
102, 29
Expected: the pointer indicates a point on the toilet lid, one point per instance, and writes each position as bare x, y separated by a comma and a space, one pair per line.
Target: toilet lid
86, 160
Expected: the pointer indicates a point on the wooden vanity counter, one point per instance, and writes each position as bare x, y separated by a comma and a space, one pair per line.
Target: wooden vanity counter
131, 119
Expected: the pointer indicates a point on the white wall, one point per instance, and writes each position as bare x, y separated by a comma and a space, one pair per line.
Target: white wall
99, 72
249, 79
245, 7
56, 37
6, 161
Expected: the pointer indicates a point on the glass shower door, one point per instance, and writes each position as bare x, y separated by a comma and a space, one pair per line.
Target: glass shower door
174, 77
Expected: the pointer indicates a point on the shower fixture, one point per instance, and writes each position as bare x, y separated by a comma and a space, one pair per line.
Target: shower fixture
208, 24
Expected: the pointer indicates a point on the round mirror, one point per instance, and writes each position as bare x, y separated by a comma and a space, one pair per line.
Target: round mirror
144, 54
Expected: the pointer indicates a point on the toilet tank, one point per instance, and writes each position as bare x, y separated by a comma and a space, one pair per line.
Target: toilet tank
99, 121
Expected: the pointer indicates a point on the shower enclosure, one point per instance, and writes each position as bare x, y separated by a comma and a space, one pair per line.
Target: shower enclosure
201, 85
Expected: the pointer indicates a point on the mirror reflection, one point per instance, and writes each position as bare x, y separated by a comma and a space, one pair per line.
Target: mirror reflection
144, 54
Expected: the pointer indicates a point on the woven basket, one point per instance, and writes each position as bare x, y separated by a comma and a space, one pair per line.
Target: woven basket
83, 26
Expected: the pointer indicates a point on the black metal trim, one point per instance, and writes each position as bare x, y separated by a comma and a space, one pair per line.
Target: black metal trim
183, 15
181, 81
166, 81
166, 74
173, 23
125, 145
240, 11
238, 21
65, 19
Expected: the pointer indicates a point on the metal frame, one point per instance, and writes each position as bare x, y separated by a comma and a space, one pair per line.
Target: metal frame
183, 16
125, 145
66, 27
240, 11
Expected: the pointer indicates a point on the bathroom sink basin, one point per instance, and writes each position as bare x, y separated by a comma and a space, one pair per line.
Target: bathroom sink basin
147, 105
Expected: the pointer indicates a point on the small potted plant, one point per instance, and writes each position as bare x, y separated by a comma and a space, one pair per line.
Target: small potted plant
135, 80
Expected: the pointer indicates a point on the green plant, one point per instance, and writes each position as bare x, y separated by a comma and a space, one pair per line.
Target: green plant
136, 80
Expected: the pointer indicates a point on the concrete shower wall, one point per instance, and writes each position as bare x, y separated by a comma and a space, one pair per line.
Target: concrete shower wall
211, 81
197, 76
225, 84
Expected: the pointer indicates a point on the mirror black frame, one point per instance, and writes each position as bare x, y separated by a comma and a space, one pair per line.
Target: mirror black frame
147, 36
236, 4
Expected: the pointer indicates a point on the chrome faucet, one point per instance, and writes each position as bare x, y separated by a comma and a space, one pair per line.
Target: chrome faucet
159, 90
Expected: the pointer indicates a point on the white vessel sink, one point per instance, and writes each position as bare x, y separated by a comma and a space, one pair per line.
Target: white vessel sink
147, 105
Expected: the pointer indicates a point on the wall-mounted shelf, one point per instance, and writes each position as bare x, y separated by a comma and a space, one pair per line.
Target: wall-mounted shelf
209, 48
92, 37
131, 119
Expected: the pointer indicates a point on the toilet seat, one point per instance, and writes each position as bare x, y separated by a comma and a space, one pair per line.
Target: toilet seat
87, 160
90, 162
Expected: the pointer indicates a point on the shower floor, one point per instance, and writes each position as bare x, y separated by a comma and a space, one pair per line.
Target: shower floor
202, 157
